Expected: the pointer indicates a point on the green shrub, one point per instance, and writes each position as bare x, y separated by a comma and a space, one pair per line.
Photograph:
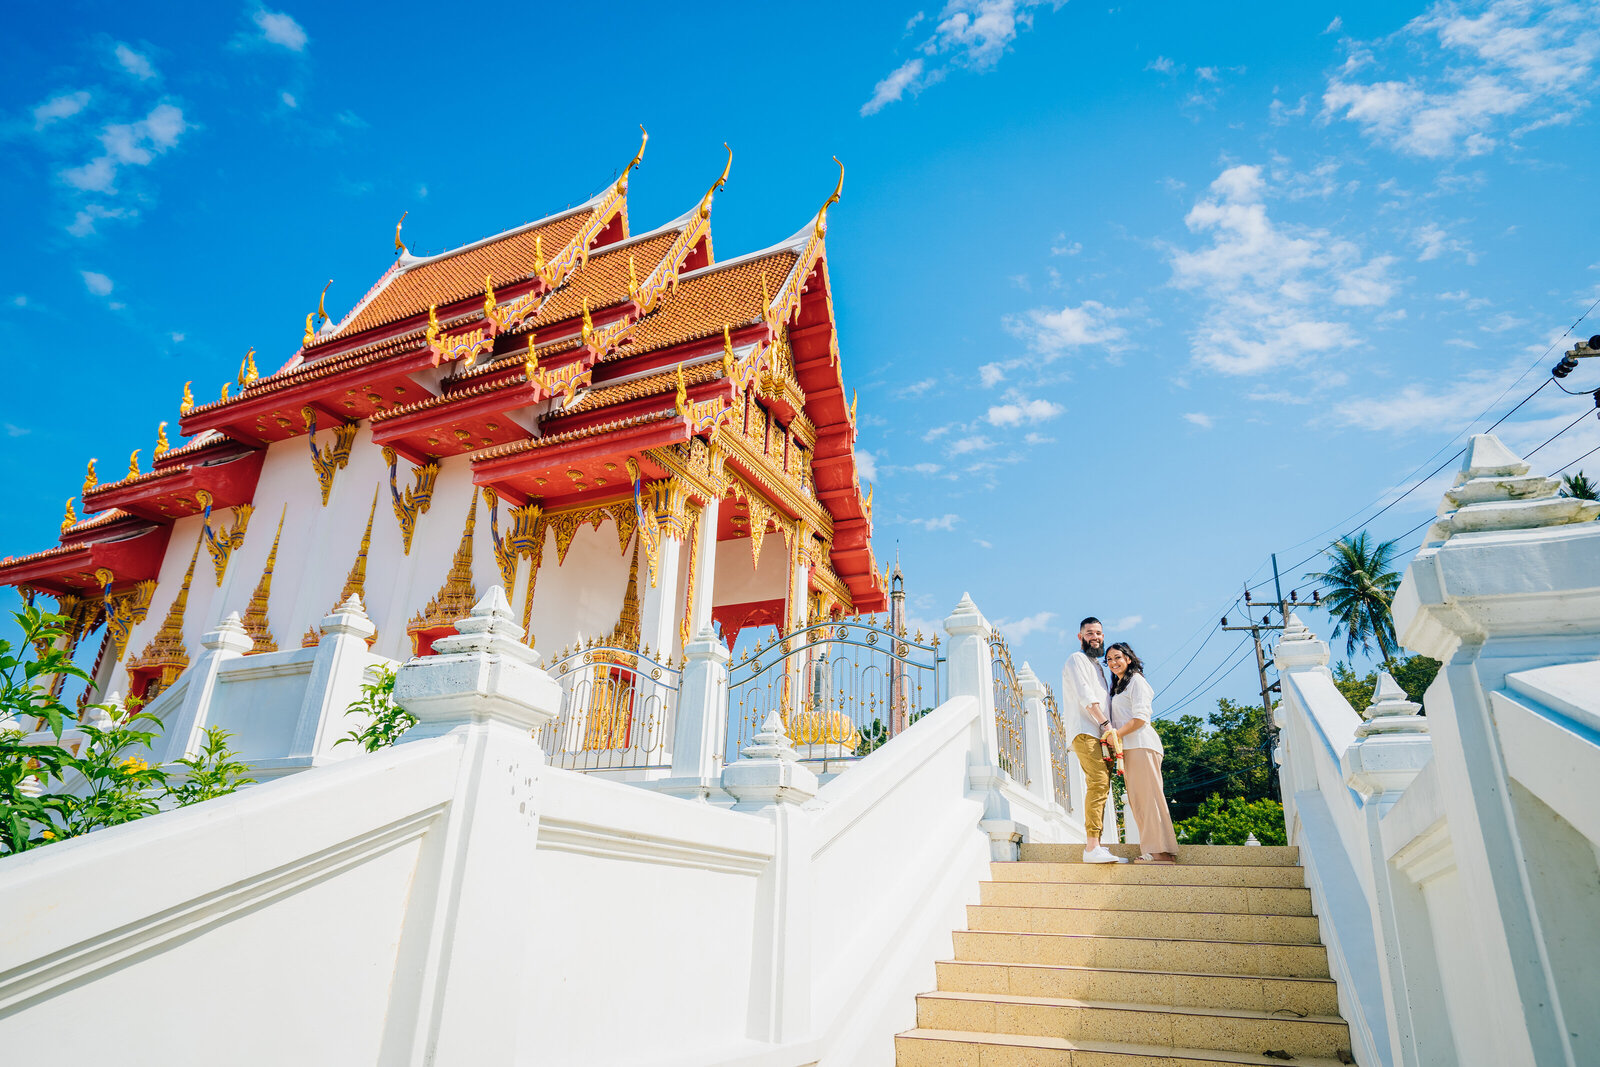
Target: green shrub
1230, 820
387, 720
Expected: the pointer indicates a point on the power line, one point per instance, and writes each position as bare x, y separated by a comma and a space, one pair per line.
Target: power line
1201, 689
1580, 459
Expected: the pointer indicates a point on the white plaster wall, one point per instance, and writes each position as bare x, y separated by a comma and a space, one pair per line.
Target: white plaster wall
259, 702
740, 582
582, 597
1468, 1001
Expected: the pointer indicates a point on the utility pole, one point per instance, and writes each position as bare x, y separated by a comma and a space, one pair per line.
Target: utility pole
1256, 630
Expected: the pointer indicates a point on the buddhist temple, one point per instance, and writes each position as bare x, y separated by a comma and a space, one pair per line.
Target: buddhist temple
630, 435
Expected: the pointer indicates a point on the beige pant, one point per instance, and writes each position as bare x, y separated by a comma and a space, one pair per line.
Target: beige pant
1097, 777
1141, 773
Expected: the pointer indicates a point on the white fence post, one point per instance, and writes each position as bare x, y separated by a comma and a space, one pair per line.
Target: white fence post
226, 643
1040, 774
770, 782
702, 719
483, 687
336, 676
971, 666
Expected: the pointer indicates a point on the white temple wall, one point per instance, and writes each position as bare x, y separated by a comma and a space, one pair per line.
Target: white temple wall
581, 598
738, 581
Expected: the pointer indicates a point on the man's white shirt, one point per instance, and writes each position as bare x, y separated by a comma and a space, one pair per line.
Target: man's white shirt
1083, 683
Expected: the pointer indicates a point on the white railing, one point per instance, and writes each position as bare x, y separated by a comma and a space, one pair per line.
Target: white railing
1452, 856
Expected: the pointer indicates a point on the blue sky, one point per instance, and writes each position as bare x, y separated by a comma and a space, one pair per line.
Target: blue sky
1134, 296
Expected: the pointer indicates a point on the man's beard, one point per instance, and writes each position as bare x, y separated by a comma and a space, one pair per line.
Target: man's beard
1092, 649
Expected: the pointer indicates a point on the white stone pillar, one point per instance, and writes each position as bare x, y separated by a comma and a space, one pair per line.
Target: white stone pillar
705, 568
337, 674
769, 782
702, 720
1040, 776
660, 604
484, 691
183, 730
972, 667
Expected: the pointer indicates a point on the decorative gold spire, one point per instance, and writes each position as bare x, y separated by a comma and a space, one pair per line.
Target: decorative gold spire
681, 401
530, 363
322, 304
854, 396
727, 352
622, 181
255, 616
133, 464
588, 323
311, 334
489, 301
399, 245
625, 634
822, 215
705, 201
633, 278
165, 656
89, 479
539, 265
458, 594
356, 581
187, 403
161, 442
432, 333
225, 390
247, 368
70, 517
766, 296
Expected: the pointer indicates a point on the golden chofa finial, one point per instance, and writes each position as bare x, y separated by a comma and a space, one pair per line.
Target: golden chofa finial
530, 363
705, 201
432, 333
133, 464
71, 516
399, 245
224, 390
89, 479
822, 216
186, 405
311, 334
644, 139
588, 323
681, 401
727, 352
322, 304
488, 296
854, 396
633, 278
161, 442
247, 369
539, 265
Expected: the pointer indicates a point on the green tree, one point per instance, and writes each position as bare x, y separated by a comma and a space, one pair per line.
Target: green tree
1579, 487
1225, 754
386, 719
213, 773
1231, 820
1413, 673
27, 811
1358, 588
117, 784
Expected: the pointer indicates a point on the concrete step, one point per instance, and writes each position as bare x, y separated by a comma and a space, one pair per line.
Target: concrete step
1234, 855
1183, 898
1210, 926
1219, 1029
1214, 874
955, 1048
1144, 953
1308, 996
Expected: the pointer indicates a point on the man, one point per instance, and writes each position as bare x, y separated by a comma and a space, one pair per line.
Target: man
1086, 690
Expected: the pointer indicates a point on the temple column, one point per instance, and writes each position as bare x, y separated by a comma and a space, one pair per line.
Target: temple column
797, 677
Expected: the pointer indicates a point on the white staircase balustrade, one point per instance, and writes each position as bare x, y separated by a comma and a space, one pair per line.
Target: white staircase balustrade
1452, 855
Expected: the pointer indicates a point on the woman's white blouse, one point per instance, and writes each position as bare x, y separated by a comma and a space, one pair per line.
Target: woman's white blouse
1134, 703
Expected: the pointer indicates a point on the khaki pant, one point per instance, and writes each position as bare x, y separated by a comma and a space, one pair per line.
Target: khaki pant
1097, 776
1141, 772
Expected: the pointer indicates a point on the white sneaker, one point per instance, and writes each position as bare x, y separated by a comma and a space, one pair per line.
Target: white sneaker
1101, 855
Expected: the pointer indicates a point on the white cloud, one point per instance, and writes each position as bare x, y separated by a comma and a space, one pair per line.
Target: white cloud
991, 374
1020, 628
907, 77
83, 223
16, 431
1433, 241
96, 283
288, 99
1266, 284
177, 338
944, 522
972, 443
1038, 439
1052, 333
1509, 61
981, 543
1336, 25
20, 300
61, 106
972, 34
1162, 65
866, 464
129, 144
918, 388
134, 63
1199, 419
280, 29
1127, 622
1066, 250
1020, 411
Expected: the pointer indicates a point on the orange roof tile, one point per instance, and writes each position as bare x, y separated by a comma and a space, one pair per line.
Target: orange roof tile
707, 301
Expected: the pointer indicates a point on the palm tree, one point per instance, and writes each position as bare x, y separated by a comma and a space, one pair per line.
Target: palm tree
1357, 588
1579, 487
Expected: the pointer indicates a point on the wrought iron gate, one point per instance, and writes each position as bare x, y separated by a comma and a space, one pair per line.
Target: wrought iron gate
617, 710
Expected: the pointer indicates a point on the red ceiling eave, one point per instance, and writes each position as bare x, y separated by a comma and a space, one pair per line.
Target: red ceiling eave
171, 493
71, 568
516, 476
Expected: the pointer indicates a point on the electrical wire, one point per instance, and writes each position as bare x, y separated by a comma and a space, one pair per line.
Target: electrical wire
1580, 459
1205, 685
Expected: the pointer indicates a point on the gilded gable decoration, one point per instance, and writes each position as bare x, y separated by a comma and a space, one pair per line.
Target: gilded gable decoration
165, 657
220, 544
455, 598
333, 458
518, 541
124, 611
416, 499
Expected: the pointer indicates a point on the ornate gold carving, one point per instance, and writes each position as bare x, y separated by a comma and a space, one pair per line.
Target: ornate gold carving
356, 581
133, 464
334, 458
187, 403
518, 542
821, 228
697, 515
704, 211
165, 652
124, 610
161, 442
399, 245
490, 314
622, 181
220, 544
89, 479
70, 517
633, 278
322, 305
567, 380
417, 498
455, 598
247, 368
225, 391
310, 334
535, 550
255, 616
760, 516
431, 335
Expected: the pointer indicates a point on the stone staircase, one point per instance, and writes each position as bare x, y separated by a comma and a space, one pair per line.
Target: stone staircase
1214, 961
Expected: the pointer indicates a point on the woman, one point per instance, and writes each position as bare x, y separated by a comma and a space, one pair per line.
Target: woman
1141, 748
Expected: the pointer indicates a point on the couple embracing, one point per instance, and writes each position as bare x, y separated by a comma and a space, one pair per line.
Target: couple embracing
1112, 704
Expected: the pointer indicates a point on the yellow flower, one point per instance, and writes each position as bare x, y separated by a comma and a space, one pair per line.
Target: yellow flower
134, 764
48, 835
